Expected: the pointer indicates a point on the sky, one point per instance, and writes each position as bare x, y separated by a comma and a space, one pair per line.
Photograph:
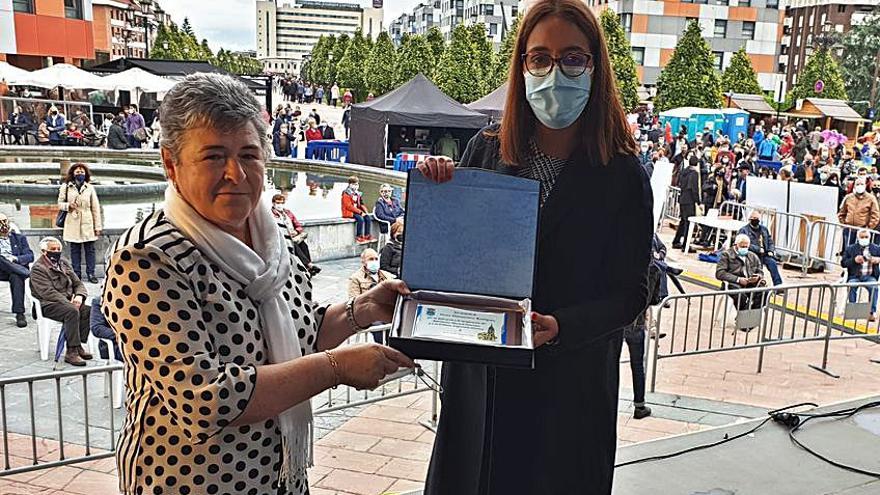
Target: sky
231, 24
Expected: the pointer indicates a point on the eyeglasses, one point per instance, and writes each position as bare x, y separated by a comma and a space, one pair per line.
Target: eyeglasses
572, 64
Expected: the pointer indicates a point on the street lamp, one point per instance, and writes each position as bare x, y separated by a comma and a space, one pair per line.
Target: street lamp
826, 38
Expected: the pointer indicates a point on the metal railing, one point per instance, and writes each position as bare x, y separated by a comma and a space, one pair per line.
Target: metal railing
36, 390
672, 210
827, 241
790, 232
731, 320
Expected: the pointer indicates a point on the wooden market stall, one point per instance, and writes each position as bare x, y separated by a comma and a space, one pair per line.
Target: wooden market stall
829, 114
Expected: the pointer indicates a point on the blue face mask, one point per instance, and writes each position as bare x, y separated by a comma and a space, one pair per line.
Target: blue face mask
742, 251
556, 99
79, 178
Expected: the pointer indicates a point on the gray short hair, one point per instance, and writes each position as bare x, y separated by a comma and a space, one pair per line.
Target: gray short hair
45, 241
207, 99
740, 238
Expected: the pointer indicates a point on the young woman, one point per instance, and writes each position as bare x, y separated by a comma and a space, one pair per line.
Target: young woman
82, 227
552, 430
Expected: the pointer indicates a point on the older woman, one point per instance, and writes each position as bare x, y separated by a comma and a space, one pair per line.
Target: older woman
222, 339
82, 226
564, 126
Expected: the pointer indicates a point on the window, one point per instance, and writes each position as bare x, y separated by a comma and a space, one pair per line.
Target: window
772, 4
745, 3
722, 2
749, 30
719, 59
720, 28
513, 11
638, 54
626, 20
490, 9
25, 6
73, 9
841, 9
493, 29
780, 68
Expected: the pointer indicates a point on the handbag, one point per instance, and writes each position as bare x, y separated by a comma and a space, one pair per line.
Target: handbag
140, 134
62, 214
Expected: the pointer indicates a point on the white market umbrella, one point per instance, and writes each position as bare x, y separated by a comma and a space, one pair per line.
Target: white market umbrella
12, 74
66, 76
135, 78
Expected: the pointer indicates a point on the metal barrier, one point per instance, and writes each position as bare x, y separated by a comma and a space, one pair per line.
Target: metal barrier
790, 232
672, 210
44, 383
710, 322
827, 241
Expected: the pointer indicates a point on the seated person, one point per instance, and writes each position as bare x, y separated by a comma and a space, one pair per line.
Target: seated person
761, 243
742, 269
15, 257
860, 260
296, 230
19, 124
101, 329
392, 252
353, 207
388, 208
63, 298
365, 278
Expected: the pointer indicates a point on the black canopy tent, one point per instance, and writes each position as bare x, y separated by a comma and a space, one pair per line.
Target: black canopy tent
416, 104
492, 104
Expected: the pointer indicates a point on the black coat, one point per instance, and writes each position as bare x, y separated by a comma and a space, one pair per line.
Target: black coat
116, 139
390, 258
689, 181
552, 430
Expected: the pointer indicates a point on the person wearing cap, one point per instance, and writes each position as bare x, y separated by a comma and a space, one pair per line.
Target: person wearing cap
55, 124
15, 258
739, 190
761, 243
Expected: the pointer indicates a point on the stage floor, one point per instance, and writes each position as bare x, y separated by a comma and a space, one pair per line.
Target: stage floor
764, 463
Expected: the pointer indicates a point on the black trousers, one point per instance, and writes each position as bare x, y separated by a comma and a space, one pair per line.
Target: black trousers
687, 211
749, 300
76, 322
301, 249
15, 274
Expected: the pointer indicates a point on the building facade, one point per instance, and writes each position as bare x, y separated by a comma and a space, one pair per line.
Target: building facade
287, 33
423, 17
808, 21
654, 28
496, 15
125, 28
38, 33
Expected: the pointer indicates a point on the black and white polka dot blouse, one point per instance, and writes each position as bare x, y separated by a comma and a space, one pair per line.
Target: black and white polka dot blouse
191, 341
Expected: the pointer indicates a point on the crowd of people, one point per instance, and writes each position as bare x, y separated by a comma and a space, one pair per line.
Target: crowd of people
304, 92
289, 128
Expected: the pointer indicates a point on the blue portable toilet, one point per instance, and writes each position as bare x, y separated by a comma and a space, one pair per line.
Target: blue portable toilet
694, 119
735, 121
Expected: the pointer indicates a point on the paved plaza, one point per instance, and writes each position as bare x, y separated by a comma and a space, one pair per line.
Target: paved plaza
384, 447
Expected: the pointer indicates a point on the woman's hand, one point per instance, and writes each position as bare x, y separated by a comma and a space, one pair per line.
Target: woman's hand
437, 168
377, 304
544, 329
362, 366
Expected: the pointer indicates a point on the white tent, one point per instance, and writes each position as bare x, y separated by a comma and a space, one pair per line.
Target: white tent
136, 78
13, 75
66, 76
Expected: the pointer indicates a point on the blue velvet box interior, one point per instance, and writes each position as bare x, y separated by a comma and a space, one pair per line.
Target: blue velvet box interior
465, 239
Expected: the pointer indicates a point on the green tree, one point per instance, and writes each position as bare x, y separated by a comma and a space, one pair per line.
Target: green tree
484, 57
350, 71
457, 75
187, 28
319, 61
740, 76
820, 66
690, 78
620, 52
503, 57
860, 48
437, 44
413, 57
205, 51
379, 67
163, 46
339, 49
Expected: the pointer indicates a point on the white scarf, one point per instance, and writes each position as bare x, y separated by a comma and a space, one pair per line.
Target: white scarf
263, 271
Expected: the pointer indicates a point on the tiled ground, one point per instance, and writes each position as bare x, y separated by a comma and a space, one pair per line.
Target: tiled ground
383, 448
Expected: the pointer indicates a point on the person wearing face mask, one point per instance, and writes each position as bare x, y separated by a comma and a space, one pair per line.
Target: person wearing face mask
15, 258
388, 208
739, 190
859, 210
834, 181
62, 297
761, 243
391, 255
82, 226
297, 232
645, 157
741, 268
353, 207
862, 262
807, 173
563, 126
368, 276
55, 124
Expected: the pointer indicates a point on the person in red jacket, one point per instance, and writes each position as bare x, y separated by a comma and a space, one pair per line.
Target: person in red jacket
313, 133
353, 207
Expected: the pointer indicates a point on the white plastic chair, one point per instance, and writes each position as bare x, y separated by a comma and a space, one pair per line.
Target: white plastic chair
44, 325
117, 380
729, 308
382, 224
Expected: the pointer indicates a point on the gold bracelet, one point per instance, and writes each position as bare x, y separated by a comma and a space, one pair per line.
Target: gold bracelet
335, 365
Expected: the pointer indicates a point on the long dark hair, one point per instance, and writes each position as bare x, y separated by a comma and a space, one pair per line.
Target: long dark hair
603, 126
73, 168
